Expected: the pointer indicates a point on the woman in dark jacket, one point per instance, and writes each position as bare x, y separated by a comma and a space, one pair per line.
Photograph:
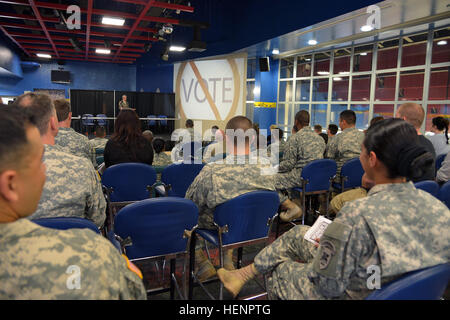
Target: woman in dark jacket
127, 143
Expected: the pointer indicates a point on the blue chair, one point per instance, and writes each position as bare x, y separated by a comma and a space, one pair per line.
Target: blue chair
151, 123
178, 177
163, 123
316, 178
425, 284
350, 176
154, 229
192, 151
439, 159
444, 194
102, 122
65, 223
430, 186
87, 121
241, 221
126, 183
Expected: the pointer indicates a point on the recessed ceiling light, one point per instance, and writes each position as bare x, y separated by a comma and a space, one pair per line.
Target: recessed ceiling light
442, 43
344, 72
103, 51
363, 53
337, 79
307, 59
177, 48
44, 55
323, 73
366, 28
275, 51
312, 42
113, 21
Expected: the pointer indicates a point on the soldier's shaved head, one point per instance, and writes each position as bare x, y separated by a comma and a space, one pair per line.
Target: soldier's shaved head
40, 107
302, 118
239, 122
239, 129
413, 113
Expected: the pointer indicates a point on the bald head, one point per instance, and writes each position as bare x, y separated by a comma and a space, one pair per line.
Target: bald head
412, 113
239, 122
239, 128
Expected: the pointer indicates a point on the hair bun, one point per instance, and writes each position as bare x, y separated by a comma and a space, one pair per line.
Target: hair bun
413, 161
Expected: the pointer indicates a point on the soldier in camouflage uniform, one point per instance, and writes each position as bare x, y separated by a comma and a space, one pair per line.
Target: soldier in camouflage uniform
69, 140
302, 148
73, 187
386, 229
123, 104
43, 263
99, 142
347, 144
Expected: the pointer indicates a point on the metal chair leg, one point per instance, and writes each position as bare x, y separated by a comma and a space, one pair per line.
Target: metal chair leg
173, 281
239, 257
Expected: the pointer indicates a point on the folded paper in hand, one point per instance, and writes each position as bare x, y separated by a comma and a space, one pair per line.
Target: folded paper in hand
317, 230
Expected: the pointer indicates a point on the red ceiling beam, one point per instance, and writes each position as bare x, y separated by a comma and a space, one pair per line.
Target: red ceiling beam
26, 17
73, 50
160, 4
88, 27
14, 40
135, 24
37, 14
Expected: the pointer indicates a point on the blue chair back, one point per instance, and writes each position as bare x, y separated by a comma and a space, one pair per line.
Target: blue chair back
444, 194
192, 150
353, 171
424, 284
87, 119
151, 123
439, 159
65, 223
180, 176
129, 181
156, 226
163, 122
430, 186
318, 174
101, 122
247, 216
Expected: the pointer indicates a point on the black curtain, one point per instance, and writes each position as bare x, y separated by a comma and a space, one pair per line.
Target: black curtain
92, 102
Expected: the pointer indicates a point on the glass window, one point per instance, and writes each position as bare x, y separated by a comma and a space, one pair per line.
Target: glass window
251, 68
291, 114
385, 87
383, 110
249, 110
342, 61
287, 68
441, 46
250, 91
320, 90
298, 107
285, 91
336, 110
387, 54
362, 115
340, 89
439, 88
361, 87
281, 112
318, 115
322, 64
436, 110
411, 85
304, 66
362, 59
302, 90
413, 54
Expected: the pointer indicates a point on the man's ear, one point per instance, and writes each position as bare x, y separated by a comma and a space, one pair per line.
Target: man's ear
53, 123
8, 186
70, 117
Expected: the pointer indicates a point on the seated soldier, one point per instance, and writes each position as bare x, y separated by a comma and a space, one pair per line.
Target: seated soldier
99, 142
385, 229
73, 187
240, 172
160, 158
69, 140
42, 263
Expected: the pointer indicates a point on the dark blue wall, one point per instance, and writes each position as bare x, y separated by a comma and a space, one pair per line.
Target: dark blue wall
150, 78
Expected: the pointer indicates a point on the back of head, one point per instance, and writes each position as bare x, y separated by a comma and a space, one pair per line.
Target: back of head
441, 124
302, 118
189, 123
333, 128
13, 137
127, 128
158, 145
413, 114
376, 119
396, 144
147, 134
349, 116
237, 125
318, 128
100, 132
40, 107
62, 108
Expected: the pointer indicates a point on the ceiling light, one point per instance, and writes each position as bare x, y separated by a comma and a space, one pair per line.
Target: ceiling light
442, 43
344, 73
275, 51
323, 73
103, 51
337, 79
113, 21
366, 28
312, 42
44, 55
363, 53
307, 59
177, 48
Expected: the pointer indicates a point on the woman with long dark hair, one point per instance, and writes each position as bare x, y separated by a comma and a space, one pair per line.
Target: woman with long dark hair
127, 143
373, 241
440, 139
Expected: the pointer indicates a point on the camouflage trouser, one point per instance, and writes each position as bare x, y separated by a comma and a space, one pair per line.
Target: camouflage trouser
287, 278
288, 180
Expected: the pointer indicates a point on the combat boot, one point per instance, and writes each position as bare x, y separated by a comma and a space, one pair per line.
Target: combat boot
228, 260
204, 269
